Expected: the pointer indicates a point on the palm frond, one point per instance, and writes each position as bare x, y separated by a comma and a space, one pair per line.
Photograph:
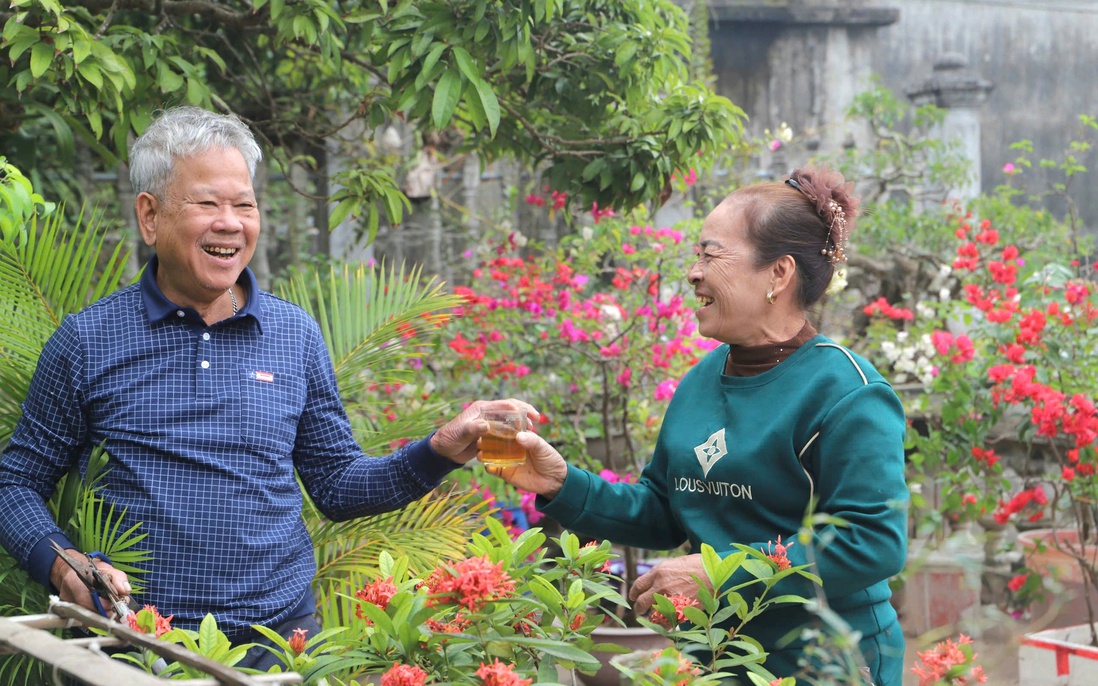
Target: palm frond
46, 273
367, 314
377, 433
435, 527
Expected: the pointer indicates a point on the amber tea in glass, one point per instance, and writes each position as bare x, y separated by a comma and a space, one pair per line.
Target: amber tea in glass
498, 447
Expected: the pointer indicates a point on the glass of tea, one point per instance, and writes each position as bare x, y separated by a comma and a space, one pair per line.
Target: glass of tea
498, 447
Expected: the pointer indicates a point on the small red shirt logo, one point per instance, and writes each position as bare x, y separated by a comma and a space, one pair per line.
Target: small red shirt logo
267, 377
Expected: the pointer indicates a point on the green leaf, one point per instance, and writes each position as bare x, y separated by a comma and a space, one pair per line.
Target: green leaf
489, 103
466, 64
167, 79
41, 56
758, 569
447, 95
432, 57
81, 48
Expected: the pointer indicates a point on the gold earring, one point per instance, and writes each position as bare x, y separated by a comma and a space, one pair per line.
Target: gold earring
771, 298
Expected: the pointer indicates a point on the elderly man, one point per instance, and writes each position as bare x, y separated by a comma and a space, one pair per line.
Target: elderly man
208, 394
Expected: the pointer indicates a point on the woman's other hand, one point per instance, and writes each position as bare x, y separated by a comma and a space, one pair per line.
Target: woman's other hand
677, 576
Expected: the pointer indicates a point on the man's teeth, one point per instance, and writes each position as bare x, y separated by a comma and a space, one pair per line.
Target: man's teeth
223, 252
703, 300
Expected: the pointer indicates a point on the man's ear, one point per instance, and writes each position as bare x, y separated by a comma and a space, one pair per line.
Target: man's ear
147, 206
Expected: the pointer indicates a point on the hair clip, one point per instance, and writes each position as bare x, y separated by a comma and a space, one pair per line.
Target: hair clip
793, 183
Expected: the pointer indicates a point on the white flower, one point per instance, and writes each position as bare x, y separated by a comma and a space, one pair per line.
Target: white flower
943, 295
587, 232
611, 313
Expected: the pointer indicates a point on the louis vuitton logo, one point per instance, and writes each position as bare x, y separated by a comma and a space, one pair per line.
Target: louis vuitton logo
712, 450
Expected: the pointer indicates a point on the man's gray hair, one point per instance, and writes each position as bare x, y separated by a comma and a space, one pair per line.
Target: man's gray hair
182, 132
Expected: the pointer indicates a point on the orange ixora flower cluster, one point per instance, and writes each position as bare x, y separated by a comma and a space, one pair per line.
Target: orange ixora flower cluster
778, 555
500, 674
679, 601
949, 663
378, 592
470, 583
149, 621
404, 675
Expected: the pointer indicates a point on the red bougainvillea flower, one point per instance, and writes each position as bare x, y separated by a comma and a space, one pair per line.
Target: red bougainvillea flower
404, 675
470, 583
679, 601
1017, 582
499, 674
986, 455
378, 592
149, 621
1030, 502
883, 307
297, 641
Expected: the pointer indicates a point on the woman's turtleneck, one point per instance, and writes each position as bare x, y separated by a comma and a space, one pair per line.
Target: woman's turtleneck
751, 360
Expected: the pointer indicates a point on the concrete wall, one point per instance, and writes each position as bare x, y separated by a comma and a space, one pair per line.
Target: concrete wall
1041, 58
801, 62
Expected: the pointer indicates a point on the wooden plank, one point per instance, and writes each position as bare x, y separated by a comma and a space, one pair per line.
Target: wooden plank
227, 676
78, 663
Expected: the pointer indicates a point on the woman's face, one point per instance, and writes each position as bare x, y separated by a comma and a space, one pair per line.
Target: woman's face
731, 291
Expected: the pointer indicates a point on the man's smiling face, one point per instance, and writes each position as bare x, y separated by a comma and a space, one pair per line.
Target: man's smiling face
205, 227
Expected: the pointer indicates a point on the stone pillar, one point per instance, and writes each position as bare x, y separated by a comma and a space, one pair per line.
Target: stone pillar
796, 61
953, 87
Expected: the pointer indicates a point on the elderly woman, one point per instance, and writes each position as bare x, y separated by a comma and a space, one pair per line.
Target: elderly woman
776, 417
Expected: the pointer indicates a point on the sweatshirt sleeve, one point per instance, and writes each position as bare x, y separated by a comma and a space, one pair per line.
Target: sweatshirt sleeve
636, 515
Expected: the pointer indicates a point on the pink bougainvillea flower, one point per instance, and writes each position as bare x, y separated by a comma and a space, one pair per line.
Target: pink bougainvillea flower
1008, 168
666, 389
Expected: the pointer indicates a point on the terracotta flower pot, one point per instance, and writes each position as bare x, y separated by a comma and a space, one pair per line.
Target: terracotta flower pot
634, 638
1058, 561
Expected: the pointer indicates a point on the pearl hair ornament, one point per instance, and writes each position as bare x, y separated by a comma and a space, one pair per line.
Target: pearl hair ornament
835, 220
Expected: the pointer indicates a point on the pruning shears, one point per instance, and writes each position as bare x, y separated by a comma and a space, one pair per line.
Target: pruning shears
100, 585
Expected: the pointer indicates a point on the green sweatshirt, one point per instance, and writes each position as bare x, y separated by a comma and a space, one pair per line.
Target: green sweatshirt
737, 461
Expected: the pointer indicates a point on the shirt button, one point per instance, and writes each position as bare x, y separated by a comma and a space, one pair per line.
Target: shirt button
205, 336
179, 313
205, 364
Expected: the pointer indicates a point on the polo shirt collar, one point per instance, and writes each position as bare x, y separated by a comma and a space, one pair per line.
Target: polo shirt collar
158, 307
